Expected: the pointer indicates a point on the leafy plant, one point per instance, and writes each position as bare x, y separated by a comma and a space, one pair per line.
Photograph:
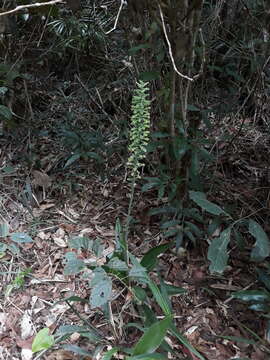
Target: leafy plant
121, 267
83, 145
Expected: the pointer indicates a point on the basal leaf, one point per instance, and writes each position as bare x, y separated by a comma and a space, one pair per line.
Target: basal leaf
101, 293
262, 246
117, 264
4, 229
42, 340
217, 252
153, 337
73, 264
200, 199
5, 113
20, 238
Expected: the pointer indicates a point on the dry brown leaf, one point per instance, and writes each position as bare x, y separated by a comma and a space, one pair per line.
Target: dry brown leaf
41, 179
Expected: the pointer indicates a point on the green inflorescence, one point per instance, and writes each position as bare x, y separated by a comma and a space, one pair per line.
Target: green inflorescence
140, 129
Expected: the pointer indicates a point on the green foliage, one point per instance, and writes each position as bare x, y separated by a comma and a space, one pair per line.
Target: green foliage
218, 253
140, 124
83, 145
42, 340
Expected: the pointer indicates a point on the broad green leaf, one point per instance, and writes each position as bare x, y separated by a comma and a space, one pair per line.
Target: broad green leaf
153, 337
5, 113
139, 293
138, 272
117, 264
13, 249
73, 264
217, 252
252, 295
20, 238
149, 260
183, 340
42, 340
99, 275
101, 293
4, 229
200, 199
80, 242
262, 246
98, 248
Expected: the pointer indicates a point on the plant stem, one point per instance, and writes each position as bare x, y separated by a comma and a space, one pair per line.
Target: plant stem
130, 206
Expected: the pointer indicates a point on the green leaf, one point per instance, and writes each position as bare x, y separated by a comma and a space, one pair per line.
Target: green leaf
185, 342
200, 199
85, 331
139, 293
262, 247
20, 237
117, 264
73, 264
99, 275
72, 159
80, 242
148, 357
5, 113
153, 337
138, 272
160, 299
191, 107
217, 252
42, 340
4, 229
252, 295
101, 293
174, 290
149, 260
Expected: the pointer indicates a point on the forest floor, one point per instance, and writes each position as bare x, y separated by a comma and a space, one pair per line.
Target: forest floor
50, 203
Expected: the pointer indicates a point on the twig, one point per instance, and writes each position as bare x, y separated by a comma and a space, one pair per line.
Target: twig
21, 7
117, 17
170, 47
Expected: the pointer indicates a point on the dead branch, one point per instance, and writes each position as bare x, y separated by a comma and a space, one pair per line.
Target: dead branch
21, 7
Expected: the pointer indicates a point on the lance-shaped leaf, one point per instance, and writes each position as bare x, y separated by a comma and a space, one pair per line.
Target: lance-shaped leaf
217, 251
262, 246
